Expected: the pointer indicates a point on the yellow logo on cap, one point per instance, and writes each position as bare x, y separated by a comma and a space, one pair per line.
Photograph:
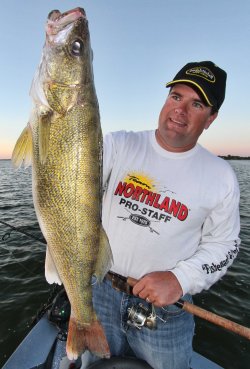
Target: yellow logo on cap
202, 72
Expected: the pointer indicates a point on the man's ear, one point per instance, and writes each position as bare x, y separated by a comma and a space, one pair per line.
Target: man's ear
210, 119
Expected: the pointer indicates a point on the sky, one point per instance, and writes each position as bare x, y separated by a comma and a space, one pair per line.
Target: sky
138, 46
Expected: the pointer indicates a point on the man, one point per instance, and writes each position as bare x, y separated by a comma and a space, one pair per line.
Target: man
171, 212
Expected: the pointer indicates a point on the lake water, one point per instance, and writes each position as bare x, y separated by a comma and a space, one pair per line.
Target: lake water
23, 289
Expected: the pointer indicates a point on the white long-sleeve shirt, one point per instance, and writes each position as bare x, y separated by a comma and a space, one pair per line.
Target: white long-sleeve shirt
169, 211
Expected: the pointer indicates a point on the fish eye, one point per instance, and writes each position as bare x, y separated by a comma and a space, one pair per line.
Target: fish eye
77, 47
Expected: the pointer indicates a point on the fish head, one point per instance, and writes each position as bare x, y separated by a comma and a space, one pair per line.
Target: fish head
66, 63
67, 47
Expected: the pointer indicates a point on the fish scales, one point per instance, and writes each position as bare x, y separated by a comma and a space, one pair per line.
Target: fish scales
67, 173
73, 208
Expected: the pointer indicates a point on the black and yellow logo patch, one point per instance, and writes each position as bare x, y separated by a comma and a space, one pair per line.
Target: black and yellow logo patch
202, 72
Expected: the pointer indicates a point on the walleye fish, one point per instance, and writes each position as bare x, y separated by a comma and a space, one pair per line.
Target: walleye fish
63, 142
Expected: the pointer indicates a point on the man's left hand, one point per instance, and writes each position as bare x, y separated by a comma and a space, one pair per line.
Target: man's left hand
158, 288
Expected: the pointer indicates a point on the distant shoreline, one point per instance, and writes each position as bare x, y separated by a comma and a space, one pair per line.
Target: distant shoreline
234, 157
228, 157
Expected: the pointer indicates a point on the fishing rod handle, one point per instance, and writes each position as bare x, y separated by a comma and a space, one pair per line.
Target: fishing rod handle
206, 315
214, 318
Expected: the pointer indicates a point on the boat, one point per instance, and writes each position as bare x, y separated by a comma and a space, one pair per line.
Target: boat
44, 346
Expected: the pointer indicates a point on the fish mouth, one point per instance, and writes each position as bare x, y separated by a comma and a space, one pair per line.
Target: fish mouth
57, 20
54, 15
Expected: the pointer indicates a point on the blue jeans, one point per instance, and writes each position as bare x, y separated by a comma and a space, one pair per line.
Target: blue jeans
167, 347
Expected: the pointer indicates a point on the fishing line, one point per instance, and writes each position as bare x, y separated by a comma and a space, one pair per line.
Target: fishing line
20, 229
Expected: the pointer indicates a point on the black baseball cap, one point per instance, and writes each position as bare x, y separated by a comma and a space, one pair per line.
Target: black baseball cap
208, 79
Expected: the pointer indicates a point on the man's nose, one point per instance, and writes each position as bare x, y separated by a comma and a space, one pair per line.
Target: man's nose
182, 108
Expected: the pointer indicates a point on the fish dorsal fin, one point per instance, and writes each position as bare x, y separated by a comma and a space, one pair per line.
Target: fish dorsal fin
104, 257
22, 153
51, 273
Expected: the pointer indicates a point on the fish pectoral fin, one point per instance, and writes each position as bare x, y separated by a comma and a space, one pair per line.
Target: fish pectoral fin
22, 153
51, 273
61, 98
104, 257
44, 135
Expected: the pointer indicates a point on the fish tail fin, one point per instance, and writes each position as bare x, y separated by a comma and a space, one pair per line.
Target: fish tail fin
88, 337
22, 152
104, 257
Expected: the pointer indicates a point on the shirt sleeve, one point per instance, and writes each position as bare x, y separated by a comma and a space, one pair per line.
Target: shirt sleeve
218, 247
109, 155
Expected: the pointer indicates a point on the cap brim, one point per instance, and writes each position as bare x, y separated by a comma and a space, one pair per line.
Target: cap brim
193, 83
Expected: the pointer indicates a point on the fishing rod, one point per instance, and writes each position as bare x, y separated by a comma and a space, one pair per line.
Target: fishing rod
184, 305
206, 315
20, 230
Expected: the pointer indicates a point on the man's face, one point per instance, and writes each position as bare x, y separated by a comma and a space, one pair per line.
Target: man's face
182, 119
